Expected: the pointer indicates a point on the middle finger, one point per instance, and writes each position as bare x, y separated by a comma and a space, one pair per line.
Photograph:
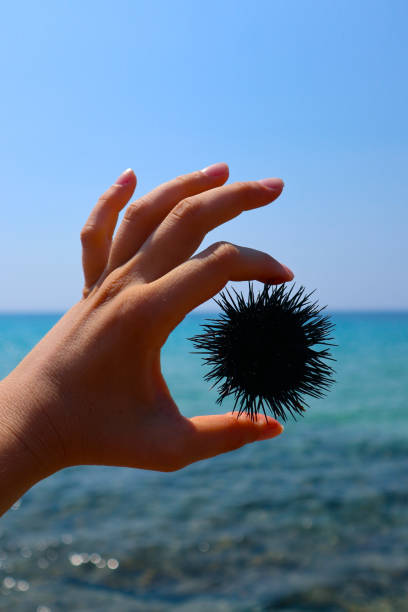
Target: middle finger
182, 231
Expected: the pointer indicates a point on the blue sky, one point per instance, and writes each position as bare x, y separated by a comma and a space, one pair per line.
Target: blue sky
312, 91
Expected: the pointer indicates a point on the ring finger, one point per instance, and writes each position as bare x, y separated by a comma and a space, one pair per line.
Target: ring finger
144, 215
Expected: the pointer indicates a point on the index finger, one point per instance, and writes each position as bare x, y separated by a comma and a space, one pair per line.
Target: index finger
204, 275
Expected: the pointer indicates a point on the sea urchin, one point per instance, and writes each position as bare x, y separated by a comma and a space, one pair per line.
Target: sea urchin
260, 350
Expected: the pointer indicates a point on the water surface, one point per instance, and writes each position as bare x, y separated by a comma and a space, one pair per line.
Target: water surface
316, 519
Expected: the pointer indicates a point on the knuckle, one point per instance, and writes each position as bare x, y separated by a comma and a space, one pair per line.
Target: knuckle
107, 195
184, 180
89, 235
244, 187
186, 210
85, 292
133, 212
127, 310
135, 303
225, 252
111, 286
246, 191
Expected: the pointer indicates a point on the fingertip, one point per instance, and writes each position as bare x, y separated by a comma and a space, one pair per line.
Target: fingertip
216, 170
126, 178
288, 273
272, 430
261, 426
282, 275
274, 184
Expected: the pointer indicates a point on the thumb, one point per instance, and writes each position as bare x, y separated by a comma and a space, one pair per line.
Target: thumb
221, 433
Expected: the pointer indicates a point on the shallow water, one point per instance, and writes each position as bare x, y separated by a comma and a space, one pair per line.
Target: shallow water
316, 519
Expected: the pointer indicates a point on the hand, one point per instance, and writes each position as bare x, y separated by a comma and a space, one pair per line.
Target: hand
92, 391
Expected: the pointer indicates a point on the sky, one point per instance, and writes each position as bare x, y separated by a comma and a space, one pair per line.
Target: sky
315, 92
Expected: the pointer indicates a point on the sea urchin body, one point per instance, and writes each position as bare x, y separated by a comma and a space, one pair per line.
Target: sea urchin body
260, 350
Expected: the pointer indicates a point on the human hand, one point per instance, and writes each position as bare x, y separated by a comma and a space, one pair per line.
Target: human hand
92, 391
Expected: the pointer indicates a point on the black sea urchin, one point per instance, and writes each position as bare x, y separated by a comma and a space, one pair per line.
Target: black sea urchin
260, 350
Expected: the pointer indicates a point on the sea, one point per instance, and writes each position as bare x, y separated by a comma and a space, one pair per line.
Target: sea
314, 520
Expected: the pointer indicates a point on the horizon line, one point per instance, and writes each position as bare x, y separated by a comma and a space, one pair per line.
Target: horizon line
199, 311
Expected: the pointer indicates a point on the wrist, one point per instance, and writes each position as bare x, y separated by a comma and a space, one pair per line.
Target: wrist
28, 449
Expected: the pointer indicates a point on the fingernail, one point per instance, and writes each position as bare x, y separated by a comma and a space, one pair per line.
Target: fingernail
271, 432
276, 184
215, 170
125, 177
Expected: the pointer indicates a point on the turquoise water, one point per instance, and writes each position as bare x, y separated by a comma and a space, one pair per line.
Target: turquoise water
316, 520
